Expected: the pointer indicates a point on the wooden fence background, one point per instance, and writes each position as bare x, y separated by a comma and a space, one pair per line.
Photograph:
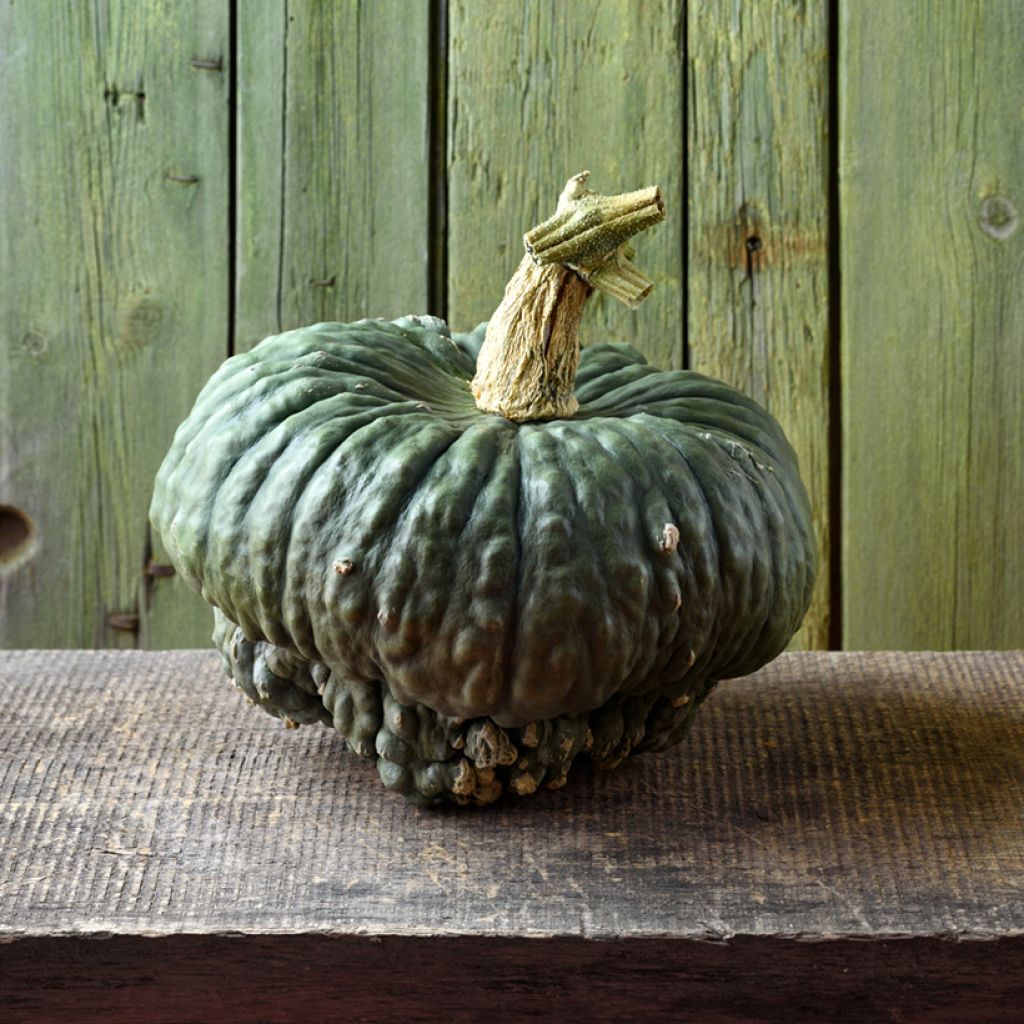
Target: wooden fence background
843, 182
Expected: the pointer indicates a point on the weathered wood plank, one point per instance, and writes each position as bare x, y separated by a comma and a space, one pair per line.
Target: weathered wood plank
193, 979
758, 239
113, 303
833, 822
932, 180
333, 181
829, 795
537, 92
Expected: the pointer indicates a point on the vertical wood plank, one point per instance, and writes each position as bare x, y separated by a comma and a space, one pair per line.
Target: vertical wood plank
758, 239
932, 190
113, 289
538, 92
333, 178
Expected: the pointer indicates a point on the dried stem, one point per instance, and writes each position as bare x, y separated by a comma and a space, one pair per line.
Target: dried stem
528, 361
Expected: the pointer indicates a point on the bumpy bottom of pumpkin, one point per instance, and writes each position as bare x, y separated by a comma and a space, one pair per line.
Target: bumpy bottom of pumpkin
431, 758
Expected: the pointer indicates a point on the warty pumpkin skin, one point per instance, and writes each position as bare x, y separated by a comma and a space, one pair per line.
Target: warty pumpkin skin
480, 556
336, 494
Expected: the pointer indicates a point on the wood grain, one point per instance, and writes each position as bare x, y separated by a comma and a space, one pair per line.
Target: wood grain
834, 825
932, 189
333, 177
113, 303
758, 289
193, 979
538, 92
829, 795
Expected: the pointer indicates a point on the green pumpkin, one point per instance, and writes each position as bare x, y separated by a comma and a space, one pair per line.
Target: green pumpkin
471, 600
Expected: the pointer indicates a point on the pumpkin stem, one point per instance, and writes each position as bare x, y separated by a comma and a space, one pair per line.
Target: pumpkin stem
527, 364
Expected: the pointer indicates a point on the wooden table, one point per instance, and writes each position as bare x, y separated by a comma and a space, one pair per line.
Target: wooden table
841, 839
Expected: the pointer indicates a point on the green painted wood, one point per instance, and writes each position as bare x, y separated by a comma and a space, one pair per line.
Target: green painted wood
113, 303
537, 92
333, 181
758, 201
932, 189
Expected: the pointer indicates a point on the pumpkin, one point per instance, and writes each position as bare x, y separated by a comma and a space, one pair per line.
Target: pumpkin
479, 556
